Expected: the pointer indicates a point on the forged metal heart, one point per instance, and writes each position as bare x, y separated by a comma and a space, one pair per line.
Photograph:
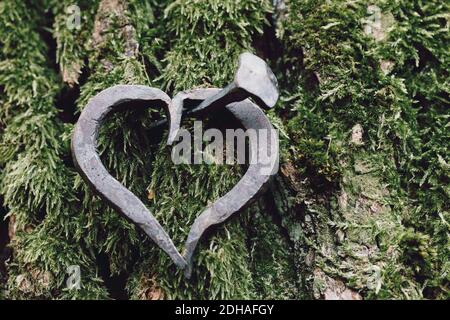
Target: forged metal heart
254, 181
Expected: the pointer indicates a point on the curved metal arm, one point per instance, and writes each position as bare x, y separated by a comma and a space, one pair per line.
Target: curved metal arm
254, 181
87, 160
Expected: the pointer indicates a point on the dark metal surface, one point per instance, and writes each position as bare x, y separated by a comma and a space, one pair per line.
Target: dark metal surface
253, 79
255, 179
87, 160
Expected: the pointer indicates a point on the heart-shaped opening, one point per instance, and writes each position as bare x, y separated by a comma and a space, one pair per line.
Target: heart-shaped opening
87, 160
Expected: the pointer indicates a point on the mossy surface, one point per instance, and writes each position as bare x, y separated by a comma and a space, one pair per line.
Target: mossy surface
364, 140
359, 208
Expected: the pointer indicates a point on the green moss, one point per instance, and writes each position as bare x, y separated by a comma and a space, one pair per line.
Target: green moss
208, 44
362, 193
35, 182
339, 82
208, 37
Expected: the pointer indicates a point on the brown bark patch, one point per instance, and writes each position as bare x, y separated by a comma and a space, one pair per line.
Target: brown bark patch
12, 227
71, 74
112, 14
289, 171
150, 289
332, 289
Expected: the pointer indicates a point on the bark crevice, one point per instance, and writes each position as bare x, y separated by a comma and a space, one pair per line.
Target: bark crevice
4, 241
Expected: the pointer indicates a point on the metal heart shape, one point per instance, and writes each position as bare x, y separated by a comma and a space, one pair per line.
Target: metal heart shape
89, 165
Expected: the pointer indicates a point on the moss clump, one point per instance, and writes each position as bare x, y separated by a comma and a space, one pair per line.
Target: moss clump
359, 208
365, 67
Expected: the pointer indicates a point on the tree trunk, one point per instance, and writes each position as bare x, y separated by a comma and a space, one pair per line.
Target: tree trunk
358, 209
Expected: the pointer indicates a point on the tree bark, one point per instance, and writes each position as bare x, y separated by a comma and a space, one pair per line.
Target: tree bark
358, 209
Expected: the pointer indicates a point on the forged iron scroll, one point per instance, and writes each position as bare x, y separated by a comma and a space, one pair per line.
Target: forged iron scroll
262, 88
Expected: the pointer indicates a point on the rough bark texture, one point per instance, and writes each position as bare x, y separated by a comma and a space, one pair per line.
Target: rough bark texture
358, 210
